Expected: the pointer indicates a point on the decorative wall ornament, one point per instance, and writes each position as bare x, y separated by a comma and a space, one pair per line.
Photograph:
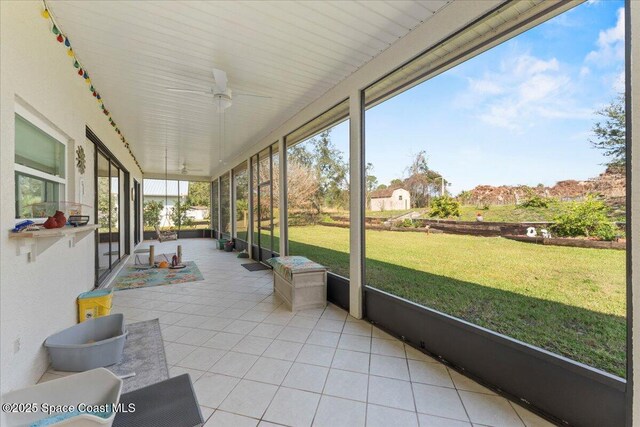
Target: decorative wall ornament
81, 161
61, 37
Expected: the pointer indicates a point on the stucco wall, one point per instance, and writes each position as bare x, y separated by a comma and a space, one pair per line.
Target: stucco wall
38, 298
393, 203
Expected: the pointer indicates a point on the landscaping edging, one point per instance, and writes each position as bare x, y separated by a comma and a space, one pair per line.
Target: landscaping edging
574, 243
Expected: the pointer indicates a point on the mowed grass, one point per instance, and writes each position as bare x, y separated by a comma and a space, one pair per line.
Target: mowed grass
570, 301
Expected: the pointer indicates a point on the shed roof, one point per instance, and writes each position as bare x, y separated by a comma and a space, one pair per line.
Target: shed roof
156, 187
384, 193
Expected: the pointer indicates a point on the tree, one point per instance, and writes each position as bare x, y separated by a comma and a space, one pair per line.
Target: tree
396, 183
421, 182
199, 193
372, 180
332, 171
151, 213
179, 216
610, 134
302, 187
319, 157
299, 154
106, 211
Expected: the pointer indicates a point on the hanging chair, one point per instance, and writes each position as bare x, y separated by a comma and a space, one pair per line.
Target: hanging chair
167, 235
164, 236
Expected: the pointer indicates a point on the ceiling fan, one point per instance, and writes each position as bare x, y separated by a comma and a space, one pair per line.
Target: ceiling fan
185, 170
220, 91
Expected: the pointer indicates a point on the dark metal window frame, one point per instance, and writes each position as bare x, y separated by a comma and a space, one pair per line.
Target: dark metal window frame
263, 253
566, 391
113, 160
137, 188
533, 367
289, 142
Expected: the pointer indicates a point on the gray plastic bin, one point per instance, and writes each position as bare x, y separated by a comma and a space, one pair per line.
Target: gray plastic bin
95, 387
91, 344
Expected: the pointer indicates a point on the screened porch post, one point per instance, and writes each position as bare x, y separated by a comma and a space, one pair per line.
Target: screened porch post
282, 188
632, 36
250, 206
357, 204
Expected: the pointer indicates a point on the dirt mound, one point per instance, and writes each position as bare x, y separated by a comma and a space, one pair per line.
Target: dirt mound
611, 185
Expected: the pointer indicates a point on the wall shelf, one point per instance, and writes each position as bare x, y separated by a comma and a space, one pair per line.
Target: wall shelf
35, 242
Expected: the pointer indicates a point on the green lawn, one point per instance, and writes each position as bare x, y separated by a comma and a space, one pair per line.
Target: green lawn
570, 301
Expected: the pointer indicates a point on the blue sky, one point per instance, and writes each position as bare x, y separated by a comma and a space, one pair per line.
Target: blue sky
520, 113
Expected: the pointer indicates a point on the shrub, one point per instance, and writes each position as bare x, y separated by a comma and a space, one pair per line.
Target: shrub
536, 201
588, 218
444, 207
405, 223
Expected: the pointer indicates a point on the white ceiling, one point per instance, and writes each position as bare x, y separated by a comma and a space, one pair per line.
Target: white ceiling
291, 51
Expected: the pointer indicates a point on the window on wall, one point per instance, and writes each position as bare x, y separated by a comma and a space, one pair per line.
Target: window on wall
225, 206
508, 148
264, 188
176, 205
241, 206
215, 203
254, 200
40, 169
318, 191
275, 168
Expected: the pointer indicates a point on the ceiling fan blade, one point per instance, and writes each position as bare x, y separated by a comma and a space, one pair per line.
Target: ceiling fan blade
199, 92
236, 93
220, 78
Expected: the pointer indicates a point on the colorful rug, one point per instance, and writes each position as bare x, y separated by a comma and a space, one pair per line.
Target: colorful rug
133, 278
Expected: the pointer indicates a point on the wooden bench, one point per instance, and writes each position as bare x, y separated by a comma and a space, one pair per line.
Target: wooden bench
300, 282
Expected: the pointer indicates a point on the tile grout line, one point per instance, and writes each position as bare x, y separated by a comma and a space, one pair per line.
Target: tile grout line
413, 394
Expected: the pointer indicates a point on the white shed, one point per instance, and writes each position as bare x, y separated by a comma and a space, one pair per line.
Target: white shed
390, 199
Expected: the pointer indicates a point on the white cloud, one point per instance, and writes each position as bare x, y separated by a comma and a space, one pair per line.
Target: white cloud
610, 44
619, 81
522, 91
585, 71
485, 87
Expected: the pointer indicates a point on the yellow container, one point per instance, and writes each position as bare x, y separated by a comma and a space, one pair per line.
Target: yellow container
94, 304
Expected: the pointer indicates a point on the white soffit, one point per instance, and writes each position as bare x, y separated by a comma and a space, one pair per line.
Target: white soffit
291, 51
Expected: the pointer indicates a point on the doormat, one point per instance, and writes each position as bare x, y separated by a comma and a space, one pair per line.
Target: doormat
171, 402
255, 266
143, 355
134, 278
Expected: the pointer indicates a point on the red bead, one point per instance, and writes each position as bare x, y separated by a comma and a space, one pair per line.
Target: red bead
80, 72
60, 38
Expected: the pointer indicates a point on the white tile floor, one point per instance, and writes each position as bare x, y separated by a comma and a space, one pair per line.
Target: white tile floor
253, 362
